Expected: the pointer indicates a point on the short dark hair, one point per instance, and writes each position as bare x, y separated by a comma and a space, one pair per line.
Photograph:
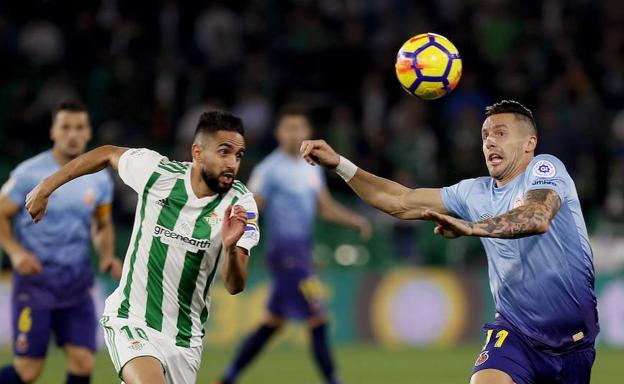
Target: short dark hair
511, 106
217, 120
292, 110
71, 105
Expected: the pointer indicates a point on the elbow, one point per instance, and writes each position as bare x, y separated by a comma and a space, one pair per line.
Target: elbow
235, 289
542, 227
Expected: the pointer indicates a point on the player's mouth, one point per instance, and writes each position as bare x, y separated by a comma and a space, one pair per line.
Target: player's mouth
495, 159
227, 177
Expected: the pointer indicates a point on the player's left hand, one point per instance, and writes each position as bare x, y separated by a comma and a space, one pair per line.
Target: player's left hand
37, 202
112, 265
233, 225
448, 226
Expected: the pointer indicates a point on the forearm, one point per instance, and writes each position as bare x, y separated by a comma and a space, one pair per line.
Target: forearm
234, 270
339, 214
90, 162
383, 194
8, 242
526, 220
104, 240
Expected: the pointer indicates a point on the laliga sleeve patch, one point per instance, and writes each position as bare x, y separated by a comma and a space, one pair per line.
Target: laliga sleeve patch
544, 168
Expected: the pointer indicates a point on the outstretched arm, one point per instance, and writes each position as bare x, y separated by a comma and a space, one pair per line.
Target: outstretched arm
333, 211
90, 162
383, 194
532, 218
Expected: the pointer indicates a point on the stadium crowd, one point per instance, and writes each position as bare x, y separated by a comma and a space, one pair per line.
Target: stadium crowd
147, 68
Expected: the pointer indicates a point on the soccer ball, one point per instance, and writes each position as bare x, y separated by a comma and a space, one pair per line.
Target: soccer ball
428, 66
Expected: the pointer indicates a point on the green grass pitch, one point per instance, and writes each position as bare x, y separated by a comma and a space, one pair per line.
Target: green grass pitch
358, 364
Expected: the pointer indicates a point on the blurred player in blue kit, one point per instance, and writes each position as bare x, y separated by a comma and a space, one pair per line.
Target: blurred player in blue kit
528, 216
290, 192
53, 276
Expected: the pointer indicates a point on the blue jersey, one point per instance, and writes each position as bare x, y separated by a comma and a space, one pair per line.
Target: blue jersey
61, 240
290, 187
543, 284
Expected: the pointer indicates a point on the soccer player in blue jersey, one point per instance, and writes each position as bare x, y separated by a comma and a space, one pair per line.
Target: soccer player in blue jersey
528, 216
53, 276
290, 192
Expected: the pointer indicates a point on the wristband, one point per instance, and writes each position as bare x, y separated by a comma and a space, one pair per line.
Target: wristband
346, 169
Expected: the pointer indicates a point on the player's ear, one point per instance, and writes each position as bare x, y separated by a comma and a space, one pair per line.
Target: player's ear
196, 150
531, 144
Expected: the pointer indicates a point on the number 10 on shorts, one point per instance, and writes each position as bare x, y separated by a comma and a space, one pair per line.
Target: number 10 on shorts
130, 336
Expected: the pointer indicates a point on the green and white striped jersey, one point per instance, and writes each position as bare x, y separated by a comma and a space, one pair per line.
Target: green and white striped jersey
175, 247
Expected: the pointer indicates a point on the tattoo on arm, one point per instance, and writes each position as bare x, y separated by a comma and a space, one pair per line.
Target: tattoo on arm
533, 217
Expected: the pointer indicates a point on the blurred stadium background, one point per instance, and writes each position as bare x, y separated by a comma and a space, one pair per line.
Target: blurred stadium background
406, 307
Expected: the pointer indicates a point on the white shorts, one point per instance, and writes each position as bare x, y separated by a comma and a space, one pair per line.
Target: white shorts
126, 340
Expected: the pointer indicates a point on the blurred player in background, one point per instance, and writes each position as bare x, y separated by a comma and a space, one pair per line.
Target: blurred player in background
53, 277
529, 218
188, 217
290, 192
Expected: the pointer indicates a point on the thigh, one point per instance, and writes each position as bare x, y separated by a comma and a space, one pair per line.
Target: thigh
506, 352
143, 370
31, 331
76, 325
127, 341
182, 364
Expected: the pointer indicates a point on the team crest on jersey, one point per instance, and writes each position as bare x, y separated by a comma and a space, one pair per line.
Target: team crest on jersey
21, 344
544, 168
483, 357
89, 197
213, 218
136, 345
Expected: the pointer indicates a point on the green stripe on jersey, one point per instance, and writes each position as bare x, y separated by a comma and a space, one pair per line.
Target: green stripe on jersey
241, 186
125, 304
238, 189
204, 314
158, 254
171, 169
188, 280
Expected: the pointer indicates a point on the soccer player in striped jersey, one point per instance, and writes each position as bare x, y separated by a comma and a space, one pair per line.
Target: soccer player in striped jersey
290, 192
190, 218
528, 216
53, 275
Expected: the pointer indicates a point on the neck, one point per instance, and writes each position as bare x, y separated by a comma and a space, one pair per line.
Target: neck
59, 157
513, 173
200, 188
294, 153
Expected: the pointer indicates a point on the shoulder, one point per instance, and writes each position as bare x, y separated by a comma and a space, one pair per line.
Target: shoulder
239, 189
477, 182
172, 166
37, 162
545, 165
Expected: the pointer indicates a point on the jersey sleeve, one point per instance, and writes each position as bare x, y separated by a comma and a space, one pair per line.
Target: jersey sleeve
548, 172
136, 166
105, 190
259, 182
251, 236
18, 186
454, 199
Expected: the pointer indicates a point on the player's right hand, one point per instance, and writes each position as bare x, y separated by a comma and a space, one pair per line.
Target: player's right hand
26, 264
319, 152
37, 202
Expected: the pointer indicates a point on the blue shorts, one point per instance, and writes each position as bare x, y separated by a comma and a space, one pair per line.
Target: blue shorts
32, 327
296, 294
507, 351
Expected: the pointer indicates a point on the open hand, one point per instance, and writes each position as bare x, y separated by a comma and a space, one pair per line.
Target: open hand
112, 265
319, 152
26, 264
448, 226
234, 224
